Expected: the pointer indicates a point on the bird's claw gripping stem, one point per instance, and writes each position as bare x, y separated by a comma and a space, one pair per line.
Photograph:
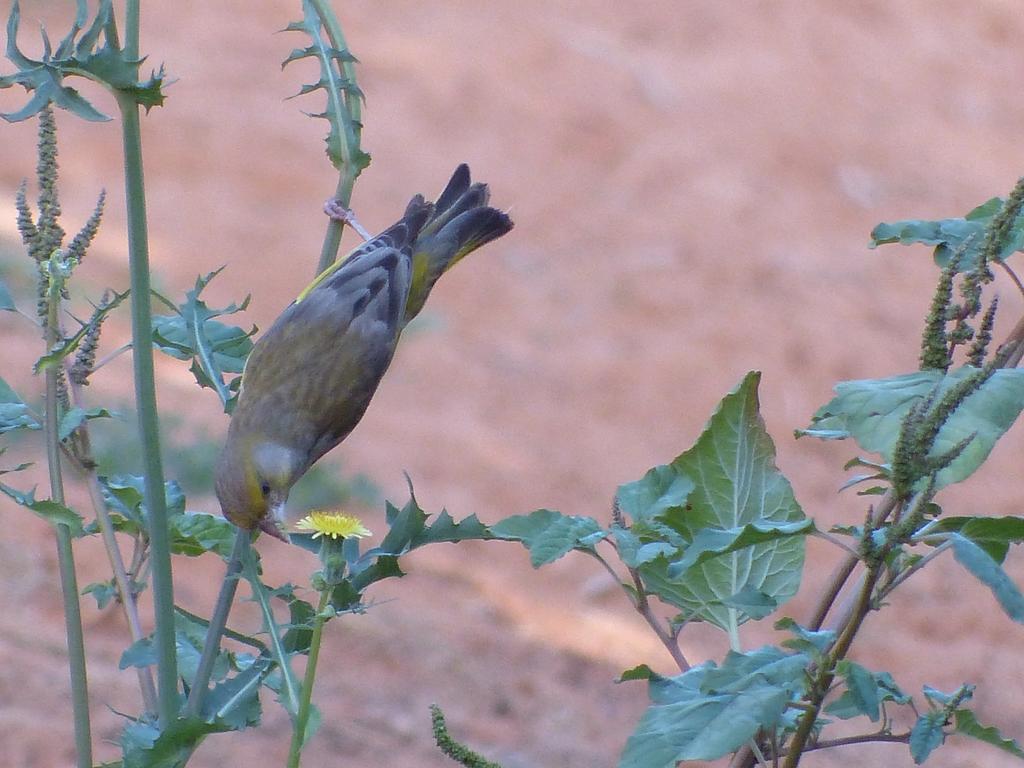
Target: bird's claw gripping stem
336, 211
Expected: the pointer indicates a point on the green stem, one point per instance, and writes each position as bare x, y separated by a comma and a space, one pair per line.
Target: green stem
350, 145
66, 560
289, 686
217, 622
302, 720
145, 395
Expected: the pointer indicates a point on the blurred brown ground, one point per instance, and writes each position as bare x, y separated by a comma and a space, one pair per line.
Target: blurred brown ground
693, 185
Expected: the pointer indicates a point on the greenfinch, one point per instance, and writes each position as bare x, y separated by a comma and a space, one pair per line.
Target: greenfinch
310, 377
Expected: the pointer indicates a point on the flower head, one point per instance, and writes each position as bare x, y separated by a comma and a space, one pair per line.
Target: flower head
333, 524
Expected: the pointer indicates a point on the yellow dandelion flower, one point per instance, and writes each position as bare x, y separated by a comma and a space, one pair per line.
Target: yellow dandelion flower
333, 524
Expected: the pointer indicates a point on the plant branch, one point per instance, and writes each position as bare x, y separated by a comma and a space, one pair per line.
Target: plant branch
308, 679
218, 621
126, 591
864, 738
65, 555
145, 390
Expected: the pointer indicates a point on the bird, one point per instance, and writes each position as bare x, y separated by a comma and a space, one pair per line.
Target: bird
310, 378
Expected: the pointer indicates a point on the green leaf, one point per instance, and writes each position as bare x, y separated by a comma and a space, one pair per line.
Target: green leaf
14, 414
739, 489
235, 702
871, 411
300, 623
662, 490
992, 534
337, 81
103, 591
214, 348
639, 672
947, 235
139, 654
634, 553
193, 533
808, 641
48, 509
6, 300
965, 723
75, 417
752, 603
68, 345
549, 535
987, 571
146, 746
710, 543
708, 712
865, 691
927, 735
445, 529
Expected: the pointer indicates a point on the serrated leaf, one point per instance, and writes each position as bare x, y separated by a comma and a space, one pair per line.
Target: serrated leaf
987, 571
146, 746
661, 490
871, 411
49, 510
548, 535
214, 348
861, 696
65, 347
927, 735
141, 653
992, 534
736, 485
713, 542
965, 723
708, 712
235, 702
14, 414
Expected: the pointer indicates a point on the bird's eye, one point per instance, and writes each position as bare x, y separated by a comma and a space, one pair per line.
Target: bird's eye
265, 489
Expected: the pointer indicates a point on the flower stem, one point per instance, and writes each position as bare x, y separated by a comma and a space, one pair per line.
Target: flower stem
302, 719
145, 395
66, 559
217, 622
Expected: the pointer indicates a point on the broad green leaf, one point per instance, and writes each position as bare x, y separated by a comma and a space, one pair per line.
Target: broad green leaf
947, 235
549, 535
103, 591
139, 654
708, 712
713, 542
51, 511
993, 534
965, 723
634, 553
736, 485
193, 533
987, 571
14, 414
927, 735
871, 411
752, 603
661, 490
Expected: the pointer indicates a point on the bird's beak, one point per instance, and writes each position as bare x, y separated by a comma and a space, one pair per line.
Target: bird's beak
271, 524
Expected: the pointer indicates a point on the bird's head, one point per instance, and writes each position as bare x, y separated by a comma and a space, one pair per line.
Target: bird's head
254, 476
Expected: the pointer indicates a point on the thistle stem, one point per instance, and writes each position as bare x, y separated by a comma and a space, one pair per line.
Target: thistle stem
66, 559
217, 622
302, 719
145, 393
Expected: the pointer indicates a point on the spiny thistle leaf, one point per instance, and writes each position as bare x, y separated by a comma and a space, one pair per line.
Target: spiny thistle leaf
78, 54
337, 81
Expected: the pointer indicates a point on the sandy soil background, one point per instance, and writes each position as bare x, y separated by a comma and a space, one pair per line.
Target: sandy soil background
693, 185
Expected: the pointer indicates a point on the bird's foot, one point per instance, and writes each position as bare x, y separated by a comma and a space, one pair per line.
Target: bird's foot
336, 211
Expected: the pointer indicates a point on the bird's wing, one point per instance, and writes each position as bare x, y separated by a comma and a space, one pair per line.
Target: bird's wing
310, 377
